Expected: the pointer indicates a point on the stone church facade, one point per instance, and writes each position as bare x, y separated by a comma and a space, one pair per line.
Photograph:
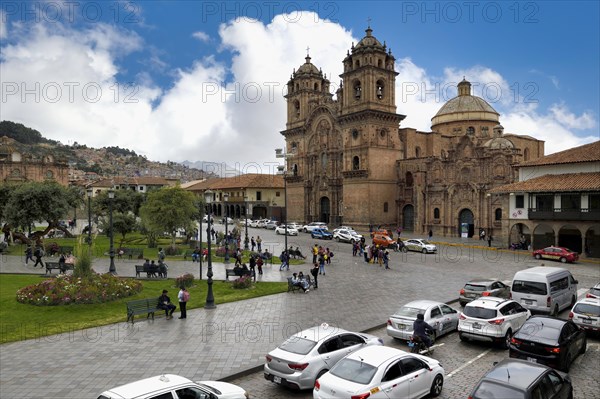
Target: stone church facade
350, 163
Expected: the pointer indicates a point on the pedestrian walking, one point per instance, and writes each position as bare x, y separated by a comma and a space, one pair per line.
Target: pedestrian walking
285, 259
28, 254
259, 243
489, 240
252, 243
184, 297
430, 234
259, 265
39, 254
315, 272
315, 252
322, 263
386, 259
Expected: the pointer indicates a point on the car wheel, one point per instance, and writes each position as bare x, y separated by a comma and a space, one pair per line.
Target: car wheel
583, 347
404, 249
462, 337
321, 374
436, 386
506, 340
277, 232
424, 251
337, 239
563, 260
538, 256
573, 300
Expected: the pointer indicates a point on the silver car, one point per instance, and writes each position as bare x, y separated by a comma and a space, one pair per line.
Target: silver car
483, 287
346, 235
419, 245
438, 315
304, 357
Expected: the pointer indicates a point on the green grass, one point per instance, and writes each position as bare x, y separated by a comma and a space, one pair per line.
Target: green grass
19, 321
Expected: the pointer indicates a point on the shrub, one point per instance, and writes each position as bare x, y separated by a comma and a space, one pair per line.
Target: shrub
172, 250
221, 251
186, 280
68, 289
242, 283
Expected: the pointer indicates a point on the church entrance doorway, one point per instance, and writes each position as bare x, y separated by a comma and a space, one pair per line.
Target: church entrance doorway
408, 218
466, 223
325, 209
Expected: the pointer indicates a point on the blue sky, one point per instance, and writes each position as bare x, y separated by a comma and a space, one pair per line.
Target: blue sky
195, 80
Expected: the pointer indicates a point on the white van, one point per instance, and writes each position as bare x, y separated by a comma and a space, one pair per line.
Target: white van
544, 289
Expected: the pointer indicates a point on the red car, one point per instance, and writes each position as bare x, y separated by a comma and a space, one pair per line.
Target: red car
556, 253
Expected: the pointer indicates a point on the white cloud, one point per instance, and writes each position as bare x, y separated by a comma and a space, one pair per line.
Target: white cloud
3, 22
203, 37
220, 112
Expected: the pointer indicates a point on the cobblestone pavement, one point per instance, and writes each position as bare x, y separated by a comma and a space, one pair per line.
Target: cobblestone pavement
464, 364
234, 337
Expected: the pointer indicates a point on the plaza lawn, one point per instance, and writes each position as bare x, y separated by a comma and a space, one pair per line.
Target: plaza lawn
19, 321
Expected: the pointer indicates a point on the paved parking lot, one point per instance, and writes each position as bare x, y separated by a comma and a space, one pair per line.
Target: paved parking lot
215, 344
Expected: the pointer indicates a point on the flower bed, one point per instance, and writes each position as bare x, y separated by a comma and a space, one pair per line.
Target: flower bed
66, 289
186, 280
242, 283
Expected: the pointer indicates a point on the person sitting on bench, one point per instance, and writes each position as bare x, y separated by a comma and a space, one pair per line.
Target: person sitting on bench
300, 283
164, 302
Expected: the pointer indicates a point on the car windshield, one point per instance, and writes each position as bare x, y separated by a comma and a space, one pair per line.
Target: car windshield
490, 390
529, 287
425, 242
587, 309
407, 311
354, 371
474, 287
479, 313
300, 346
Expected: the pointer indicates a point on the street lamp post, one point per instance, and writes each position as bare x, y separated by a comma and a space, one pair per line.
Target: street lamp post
90, 192
279, 153
200, 243
246, 212
210, 299
112, 269
226, 198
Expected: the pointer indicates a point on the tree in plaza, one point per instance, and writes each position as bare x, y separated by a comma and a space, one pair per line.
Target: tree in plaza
33, 202
168, 210
125, 207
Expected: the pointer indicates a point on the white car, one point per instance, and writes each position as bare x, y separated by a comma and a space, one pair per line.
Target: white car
167, 385
307, 355
438, 315
491, 319
271, 225
586, 314
419, 245
261, 224
229, 220
346, 235
291, 231
381, 372
308, 228
342, 228
253, 223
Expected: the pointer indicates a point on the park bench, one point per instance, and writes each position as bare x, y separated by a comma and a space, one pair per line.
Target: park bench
138, 253
150, 271
55, 265
294, 288
142, 306
241, 273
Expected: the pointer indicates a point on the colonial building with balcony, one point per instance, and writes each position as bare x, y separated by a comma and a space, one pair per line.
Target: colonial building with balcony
557, 201
256, 195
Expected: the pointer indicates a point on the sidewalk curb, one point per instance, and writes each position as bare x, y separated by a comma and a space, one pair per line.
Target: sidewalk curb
255, 369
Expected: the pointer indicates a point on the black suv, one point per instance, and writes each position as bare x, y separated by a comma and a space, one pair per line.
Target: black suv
519, 379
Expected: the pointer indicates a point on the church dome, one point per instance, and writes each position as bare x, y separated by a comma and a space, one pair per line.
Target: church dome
308, 68
499, 143
465, 107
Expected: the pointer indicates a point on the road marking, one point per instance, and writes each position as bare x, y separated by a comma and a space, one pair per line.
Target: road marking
469, 362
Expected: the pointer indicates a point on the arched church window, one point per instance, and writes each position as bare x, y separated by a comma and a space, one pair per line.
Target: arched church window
357, 64
357, 90
418, 152
294, 147
295, 170
409, 179
297, 107
316, 87
385, 207
355, 163
470, 130
355, 134
498, 214
297, 86
526, 154
379, 89
378, 63
436, 213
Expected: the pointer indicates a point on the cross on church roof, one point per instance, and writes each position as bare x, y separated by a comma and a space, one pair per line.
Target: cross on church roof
369, 22
307, 50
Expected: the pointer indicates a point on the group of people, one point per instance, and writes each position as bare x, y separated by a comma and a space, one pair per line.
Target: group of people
321, 257
159, 269
164, 303
304, 282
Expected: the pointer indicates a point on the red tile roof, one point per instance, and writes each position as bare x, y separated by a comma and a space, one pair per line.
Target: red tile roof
554, 183
585, 153
251, 180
